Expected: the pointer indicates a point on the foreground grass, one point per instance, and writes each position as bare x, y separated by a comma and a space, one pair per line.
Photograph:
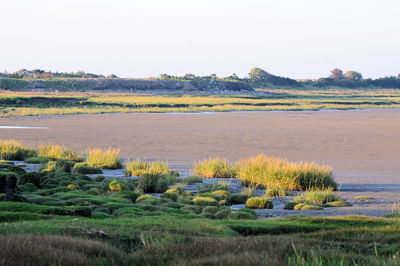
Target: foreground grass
168, 240
31, 104
61, 217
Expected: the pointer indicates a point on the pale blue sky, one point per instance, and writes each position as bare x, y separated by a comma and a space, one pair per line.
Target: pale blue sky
294, 38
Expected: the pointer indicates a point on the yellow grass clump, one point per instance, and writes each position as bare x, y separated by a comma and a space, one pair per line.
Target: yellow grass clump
13, 150
214, 168
58, 152
104, 159
140, 167
275, 172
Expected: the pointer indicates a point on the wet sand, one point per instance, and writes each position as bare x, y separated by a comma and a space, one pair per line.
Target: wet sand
363, 147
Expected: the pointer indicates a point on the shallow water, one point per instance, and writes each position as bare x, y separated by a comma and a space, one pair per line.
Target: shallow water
22, 127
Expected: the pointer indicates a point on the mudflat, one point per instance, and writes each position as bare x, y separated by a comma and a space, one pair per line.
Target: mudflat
362, 146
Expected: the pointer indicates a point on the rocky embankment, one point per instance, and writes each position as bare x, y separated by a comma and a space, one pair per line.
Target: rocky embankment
154, 86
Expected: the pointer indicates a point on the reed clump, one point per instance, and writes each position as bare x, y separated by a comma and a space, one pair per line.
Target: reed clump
214, 168
13, 150
275, 172
104, 159
58, 152
141, 168
317, 196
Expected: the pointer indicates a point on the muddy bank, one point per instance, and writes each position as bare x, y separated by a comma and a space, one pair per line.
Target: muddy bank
361, 146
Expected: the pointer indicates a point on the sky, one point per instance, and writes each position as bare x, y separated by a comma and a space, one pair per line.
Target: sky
291, 38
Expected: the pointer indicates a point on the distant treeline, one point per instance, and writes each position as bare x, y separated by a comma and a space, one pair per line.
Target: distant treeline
257, 78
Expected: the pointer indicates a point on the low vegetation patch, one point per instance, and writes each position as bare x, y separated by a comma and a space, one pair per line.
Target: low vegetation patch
316, 200
14, 150
57, 250
214, 168
152, 183
395, 211
141, 168
259, 203
104, 159
317, 196
57, 152
190, 180
205, 201
274, 172
36, 160
87, 170
277, 192
363, 198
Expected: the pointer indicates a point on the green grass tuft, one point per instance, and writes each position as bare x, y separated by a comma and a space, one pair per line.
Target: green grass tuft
141, 168
214, 168
259, 203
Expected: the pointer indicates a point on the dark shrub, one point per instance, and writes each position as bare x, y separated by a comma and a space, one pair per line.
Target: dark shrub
99, 178
28, 187
192, 209
236, 199
36, 160
170, 195
290, 205
153, 184
64, 165
243, 214
8, 183
172, 205
84, 211
87, 170
210, 209
16, 169
51, 191
223, 214
130, 195
95, 191
32, 177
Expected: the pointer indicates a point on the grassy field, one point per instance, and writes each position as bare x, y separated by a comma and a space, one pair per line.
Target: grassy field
36, 103
60, 216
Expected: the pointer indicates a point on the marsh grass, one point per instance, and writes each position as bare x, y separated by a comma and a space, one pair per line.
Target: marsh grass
57, 250
140, 167
277, 192
275, 172
104, 159
317, 196
363, 198
395, 211
259, 203
58, 152
13, 150
214, 168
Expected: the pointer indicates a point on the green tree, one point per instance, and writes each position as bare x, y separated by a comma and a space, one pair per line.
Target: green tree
353, 75
336, 74
258, 74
